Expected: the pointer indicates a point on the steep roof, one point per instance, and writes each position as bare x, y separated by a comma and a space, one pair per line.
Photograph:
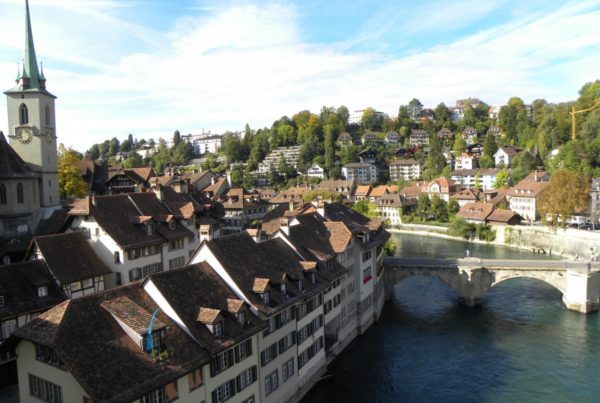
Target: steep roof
102, 358
475, 211
19, 284
70, 257
198, 286
273, 260
12, 165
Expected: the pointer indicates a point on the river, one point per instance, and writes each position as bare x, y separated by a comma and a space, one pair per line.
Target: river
520, 345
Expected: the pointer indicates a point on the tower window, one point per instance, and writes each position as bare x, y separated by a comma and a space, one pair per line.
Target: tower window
20, 198
2, 193
23, 114
47, 115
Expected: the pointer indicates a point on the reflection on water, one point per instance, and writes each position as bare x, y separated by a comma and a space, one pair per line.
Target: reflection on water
520, 345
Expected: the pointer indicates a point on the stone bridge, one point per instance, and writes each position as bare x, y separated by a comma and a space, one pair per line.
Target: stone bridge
470, 278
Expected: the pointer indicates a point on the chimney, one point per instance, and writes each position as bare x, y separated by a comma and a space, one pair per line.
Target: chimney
229, 178
212, 180
291, 205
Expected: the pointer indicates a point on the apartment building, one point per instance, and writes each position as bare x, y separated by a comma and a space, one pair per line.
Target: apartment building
360, 172
181, 335
134, 234
271, 161
405, 169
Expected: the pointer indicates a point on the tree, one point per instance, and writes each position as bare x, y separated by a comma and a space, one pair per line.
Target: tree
567, 193
423, 206
489, 145
344, 115
415, 107
176, 138
435, 159
366, 208
460, 145
134, 160
70, 181
371, 120
323, 194
502, 179
439, 209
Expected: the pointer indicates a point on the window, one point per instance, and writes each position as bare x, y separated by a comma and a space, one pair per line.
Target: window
23, 114
135, 274
241, 317
172, 224
2, 193
287, 370
249, 400
20, 198
268, 354
1, 301
266, 297
47, 115
271, 382
42, 291
243, 350
151, 268
117, 257
221, 362
7, 327
48, 355
176, 244
218, 329
156, 396
118, 280
366, 256
44, 390
97, 231
171, 391
367, 275
224, 392
195, 378
176, 263
246, 378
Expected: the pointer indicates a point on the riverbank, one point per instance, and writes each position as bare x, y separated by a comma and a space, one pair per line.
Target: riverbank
527, 238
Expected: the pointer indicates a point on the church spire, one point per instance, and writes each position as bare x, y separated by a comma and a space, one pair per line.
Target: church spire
30, 66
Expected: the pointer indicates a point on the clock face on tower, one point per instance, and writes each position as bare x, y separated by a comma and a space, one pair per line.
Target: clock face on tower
24, 135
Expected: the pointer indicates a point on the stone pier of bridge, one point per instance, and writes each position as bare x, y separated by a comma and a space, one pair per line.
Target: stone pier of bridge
470, 278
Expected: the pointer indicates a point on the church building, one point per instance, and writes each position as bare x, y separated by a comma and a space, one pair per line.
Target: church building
29, 190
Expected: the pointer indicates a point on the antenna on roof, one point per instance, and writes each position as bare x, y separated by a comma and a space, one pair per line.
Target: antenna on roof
149, 340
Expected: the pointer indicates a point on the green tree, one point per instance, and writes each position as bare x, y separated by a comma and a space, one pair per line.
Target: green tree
439, 209
423, 206
435, 161
176, 138
134, 160
366, 208
415, 107
371, 120
70, 181
502, 179
460, 145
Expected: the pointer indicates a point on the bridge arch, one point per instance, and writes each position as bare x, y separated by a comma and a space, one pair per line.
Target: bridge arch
448, 276
554, 278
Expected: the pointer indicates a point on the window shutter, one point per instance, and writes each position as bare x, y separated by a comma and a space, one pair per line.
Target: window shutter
214, 396
254, 374
248, 347
238, 381
293, 337
263, 359
232, 387
237, 353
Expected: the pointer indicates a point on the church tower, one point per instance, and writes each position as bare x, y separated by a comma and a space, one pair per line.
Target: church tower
31, 122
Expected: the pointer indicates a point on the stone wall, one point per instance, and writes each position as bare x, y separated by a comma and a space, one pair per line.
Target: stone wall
567, 242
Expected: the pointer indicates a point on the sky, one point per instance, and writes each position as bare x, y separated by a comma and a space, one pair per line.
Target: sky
150, 67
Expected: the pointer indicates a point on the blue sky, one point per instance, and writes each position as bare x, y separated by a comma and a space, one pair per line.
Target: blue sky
148, 67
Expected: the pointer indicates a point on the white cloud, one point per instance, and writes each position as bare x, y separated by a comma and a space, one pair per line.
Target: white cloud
247, 63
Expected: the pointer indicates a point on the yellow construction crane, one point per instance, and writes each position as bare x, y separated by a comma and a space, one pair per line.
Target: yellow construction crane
574, 112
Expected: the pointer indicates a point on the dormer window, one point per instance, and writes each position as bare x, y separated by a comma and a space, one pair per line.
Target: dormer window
149, 228
300, 285
218, 329
172, 224
42, 291
283, 288
313, 277
241, 317
1, 301
266, 296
